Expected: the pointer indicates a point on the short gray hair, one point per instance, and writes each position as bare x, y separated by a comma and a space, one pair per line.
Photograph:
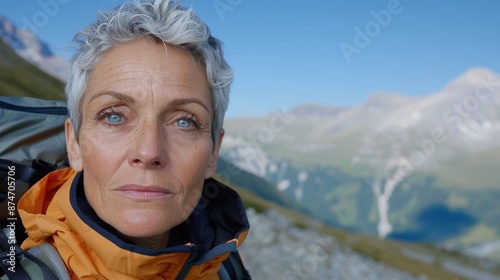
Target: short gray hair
163, 20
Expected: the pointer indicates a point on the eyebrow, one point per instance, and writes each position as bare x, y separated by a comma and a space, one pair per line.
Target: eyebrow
184, 101
119, 96
126, 98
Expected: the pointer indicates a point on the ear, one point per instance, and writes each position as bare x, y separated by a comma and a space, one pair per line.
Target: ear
212, 165
73, 148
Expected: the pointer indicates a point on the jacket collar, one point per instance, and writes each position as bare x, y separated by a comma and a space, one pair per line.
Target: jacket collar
218, 218
90, 247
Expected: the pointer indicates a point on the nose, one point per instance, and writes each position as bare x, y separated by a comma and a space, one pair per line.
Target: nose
148, 148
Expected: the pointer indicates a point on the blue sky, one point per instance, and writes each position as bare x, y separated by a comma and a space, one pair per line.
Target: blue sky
333, 52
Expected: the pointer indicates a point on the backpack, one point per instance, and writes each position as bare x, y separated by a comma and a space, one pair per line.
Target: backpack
32, 144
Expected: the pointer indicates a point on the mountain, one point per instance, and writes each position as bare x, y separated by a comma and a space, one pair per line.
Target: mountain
19, 77
28, 46
420, 169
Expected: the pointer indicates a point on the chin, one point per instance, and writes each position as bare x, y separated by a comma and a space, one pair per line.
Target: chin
145, 226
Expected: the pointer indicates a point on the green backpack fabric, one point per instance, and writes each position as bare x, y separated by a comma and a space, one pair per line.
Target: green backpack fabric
32, 144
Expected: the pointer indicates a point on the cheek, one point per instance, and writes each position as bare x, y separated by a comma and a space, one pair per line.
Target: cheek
195, 160
98, 146
100, 159
191, 165
187, 205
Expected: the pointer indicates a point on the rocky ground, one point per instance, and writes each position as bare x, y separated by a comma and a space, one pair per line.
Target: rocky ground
278, 249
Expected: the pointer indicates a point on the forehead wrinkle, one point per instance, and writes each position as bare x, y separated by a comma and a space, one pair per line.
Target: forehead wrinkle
170, 73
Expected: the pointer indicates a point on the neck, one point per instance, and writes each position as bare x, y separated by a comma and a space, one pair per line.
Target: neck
153, 242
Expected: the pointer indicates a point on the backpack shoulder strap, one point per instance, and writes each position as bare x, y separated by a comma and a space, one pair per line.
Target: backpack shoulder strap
40, 262
232, 268
46, 255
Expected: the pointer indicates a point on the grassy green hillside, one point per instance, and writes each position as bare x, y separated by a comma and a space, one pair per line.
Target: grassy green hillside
20, 78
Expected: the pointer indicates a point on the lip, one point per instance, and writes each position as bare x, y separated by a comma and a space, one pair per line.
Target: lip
140, 192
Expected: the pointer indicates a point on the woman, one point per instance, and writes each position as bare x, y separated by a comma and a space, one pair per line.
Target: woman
147, 94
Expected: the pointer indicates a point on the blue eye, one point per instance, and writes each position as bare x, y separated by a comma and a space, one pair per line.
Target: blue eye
183, 123
114, 118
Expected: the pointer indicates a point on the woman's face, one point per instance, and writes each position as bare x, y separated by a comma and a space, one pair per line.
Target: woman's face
145, 141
